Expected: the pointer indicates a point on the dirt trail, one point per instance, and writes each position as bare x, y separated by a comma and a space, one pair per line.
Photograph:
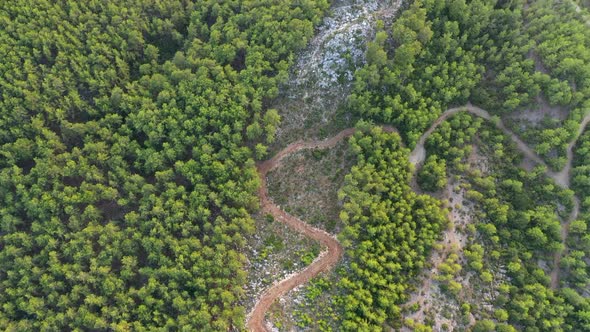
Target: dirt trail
325, 260
419, 153
563, 178
329, 257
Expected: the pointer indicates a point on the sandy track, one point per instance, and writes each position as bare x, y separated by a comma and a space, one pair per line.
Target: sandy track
329, 257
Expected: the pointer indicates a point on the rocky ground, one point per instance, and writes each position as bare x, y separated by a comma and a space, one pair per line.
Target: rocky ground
312, 102
274, 253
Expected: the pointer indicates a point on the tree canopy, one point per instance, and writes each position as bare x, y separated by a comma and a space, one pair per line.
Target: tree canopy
125, 178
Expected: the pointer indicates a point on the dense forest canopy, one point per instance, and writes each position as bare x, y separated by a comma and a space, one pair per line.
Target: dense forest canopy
498, 55
125, 181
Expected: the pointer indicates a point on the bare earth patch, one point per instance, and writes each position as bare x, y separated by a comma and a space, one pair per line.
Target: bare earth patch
307, 183
543, 110
274, 252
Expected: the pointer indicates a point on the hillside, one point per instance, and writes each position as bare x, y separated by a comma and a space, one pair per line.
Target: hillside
295, 165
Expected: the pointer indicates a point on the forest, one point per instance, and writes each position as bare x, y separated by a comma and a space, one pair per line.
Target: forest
132, 136
389, 230
128, 134
505, 57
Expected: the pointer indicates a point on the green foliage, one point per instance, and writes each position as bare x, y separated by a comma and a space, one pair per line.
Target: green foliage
433, 175
485, 325
448, 269
444, 53
309, 255
581, 167
518, 225
270, 122
521, 232
474, 256
561, 51
389, 230
125, 181
576, 260
429, 69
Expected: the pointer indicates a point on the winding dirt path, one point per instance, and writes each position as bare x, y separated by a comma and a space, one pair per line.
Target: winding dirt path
329, 257
419, 153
